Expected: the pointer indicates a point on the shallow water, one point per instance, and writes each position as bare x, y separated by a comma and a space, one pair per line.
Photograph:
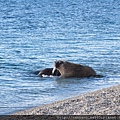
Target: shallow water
35, 33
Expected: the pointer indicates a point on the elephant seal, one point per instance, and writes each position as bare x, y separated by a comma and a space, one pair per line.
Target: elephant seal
48, 71
68, 69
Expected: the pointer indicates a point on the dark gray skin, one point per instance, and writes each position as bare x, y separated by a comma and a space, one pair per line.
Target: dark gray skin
68, 70
48, 71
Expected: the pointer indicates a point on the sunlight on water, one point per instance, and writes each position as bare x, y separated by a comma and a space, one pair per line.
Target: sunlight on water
33, 34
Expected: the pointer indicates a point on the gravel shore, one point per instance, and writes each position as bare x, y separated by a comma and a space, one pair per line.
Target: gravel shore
101, 102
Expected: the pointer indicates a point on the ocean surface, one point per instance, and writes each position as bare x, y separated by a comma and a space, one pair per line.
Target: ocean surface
35, 33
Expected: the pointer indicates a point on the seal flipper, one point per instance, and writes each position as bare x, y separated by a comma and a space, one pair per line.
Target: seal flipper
40, 74
98, 76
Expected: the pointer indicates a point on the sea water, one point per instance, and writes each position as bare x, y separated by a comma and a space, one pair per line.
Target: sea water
35, 33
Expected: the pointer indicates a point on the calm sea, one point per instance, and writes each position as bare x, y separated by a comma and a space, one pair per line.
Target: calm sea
35, 33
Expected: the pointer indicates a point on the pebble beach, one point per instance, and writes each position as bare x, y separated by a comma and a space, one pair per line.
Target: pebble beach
105, 101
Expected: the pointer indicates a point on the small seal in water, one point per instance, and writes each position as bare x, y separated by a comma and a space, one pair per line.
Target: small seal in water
48, 71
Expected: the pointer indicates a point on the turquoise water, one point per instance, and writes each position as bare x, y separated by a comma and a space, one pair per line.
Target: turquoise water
33, 34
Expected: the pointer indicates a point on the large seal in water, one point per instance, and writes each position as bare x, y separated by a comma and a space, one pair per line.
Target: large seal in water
68, 69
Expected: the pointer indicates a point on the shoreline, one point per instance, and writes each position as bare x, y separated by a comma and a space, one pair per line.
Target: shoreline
105, 101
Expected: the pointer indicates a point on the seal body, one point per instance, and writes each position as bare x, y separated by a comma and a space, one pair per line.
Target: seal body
68, 69
48, 71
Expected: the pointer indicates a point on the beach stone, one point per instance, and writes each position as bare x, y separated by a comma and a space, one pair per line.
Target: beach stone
101, 102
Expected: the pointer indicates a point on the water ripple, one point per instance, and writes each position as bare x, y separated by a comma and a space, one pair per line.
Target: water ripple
35, 33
